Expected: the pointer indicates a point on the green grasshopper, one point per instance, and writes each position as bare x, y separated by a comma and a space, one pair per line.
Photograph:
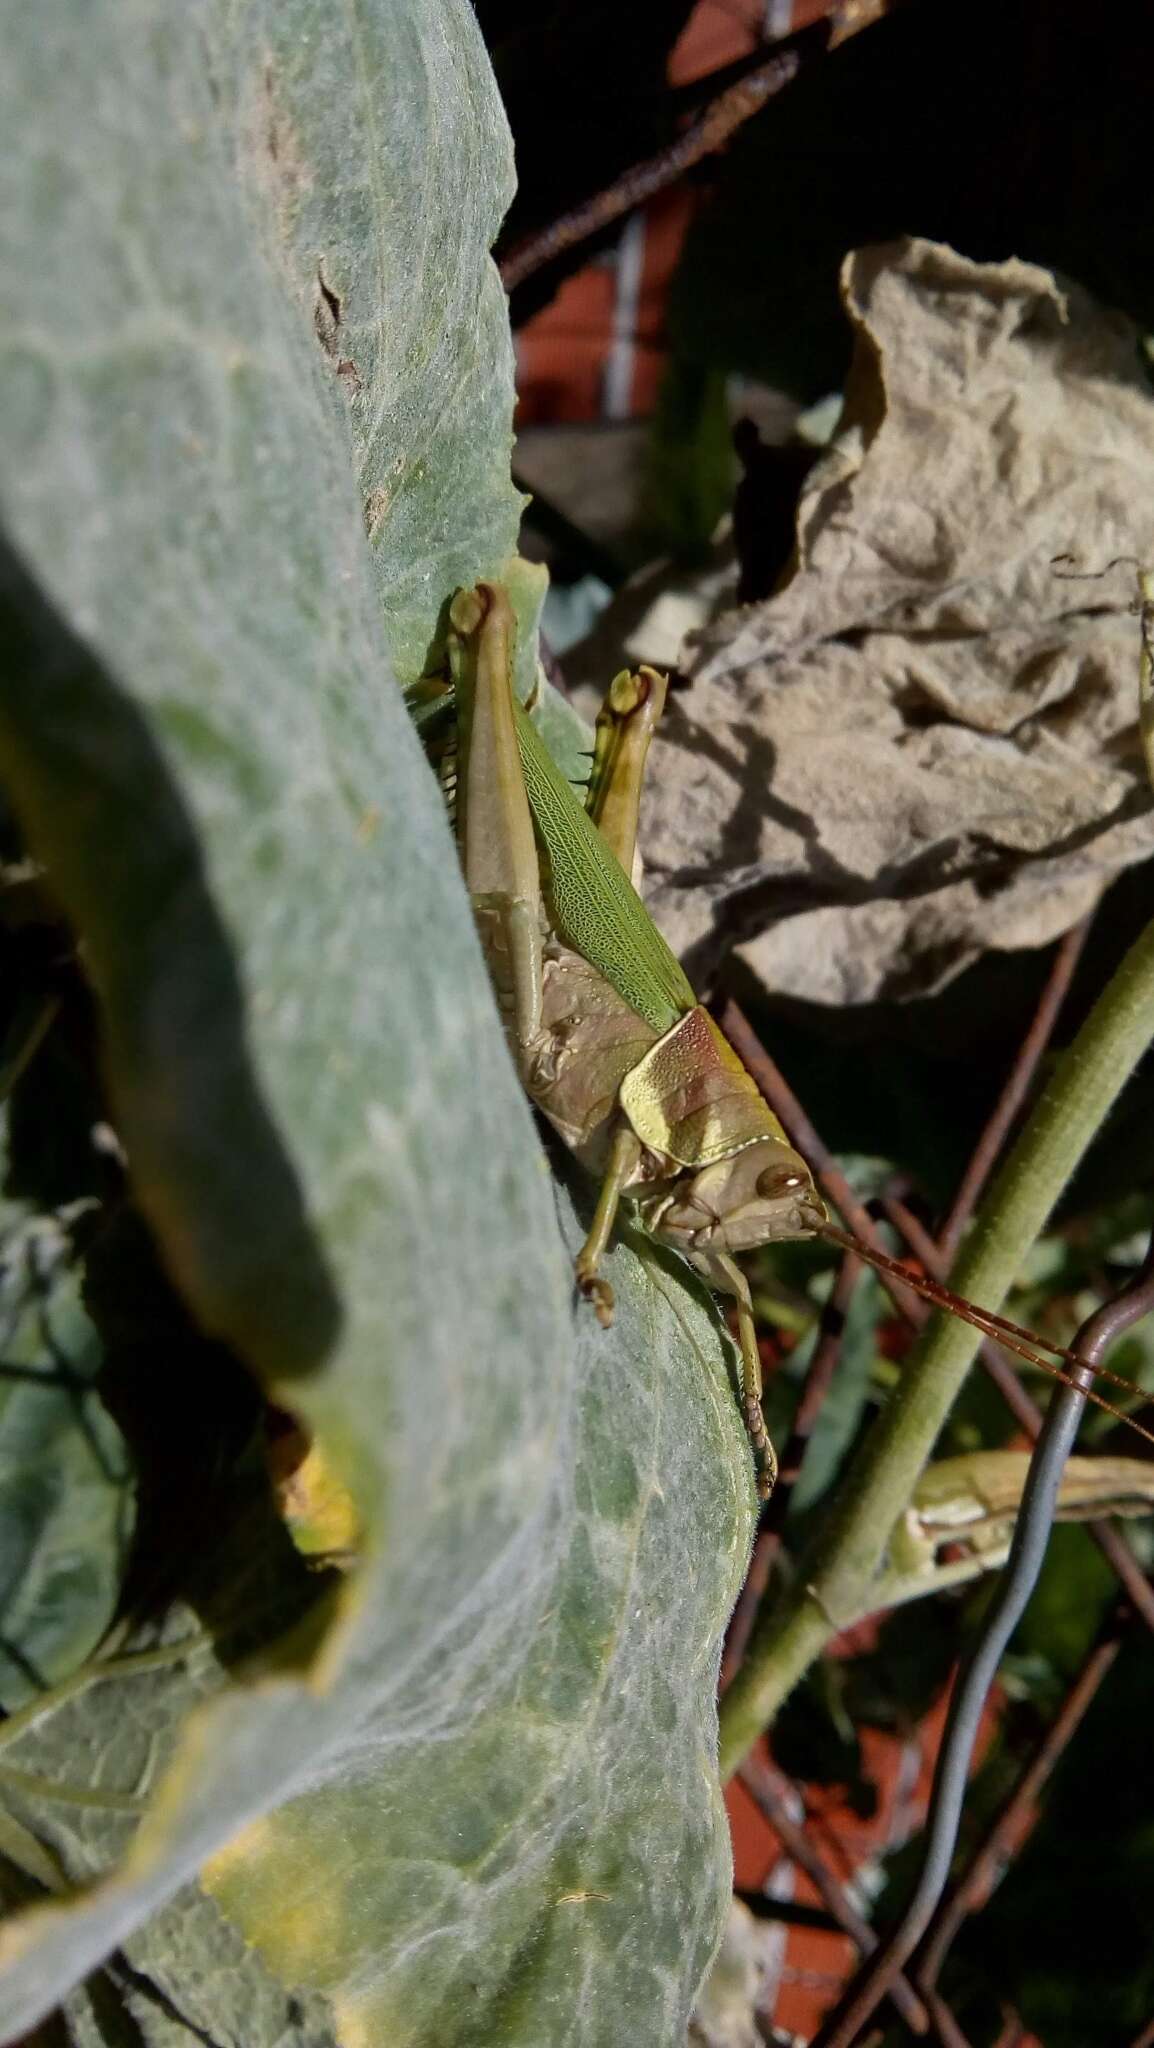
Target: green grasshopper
605, 1031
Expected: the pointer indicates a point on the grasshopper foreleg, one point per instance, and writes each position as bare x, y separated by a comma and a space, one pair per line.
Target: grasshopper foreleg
624, 1155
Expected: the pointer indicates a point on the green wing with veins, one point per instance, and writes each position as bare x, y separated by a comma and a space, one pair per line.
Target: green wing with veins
595, 908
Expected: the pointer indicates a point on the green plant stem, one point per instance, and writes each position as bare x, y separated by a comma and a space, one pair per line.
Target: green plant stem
838, 1579
34, 1785
95, 1672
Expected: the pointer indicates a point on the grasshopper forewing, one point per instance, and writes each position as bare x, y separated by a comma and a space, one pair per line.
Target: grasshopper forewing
607, 1035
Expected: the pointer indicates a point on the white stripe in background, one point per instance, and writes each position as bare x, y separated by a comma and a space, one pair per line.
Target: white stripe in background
617, 386
780, 1885
617, 381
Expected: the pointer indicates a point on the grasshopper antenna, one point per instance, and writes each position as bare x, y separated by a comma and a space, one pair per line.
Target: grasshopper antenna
1012, 1336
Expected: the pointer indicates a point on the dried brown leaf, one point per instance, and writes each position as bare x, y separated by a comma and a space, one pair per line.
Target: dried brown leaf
926, 744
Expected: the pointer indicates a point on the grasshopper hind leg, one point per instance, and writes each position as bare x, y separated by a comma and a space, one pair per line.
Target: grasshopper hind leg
764, 1456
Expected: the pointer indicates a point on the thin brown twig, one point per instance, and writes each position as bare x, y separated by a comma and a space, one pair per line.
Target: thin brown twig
759, 1783
1013, 2032
686, 100
1135, 1584
1006, 1832
712, 127
925, 1249
1016, 1088
819, 1374
1025, 1410
822, 1366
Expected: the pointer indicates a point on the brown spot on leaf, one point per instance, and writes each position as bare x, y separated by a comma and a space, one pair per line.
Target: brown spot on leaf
376, 506
326, 313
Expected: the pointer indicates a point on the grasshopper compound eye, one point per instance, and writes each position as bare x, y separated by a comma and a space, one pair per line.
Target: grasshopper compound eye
777, 1181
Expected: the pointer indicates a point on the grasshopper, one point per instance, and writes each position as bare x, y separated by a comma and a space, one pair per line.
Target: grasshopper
607, 1035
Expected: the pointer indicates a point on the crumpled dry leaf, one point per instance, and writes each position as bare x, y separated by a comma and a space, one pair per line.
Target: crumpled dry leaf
926, 744
740, 1983
961, 1519
975, 1498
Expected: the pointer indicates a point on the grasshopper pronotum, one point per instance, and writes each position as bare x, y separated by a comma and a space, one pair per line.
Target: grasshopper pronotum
606, 1033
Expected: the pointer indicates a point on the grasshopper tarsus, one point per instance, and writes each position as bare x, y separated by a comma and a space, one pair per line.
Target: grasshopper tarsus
764, 1458
765, 1461
600, 1293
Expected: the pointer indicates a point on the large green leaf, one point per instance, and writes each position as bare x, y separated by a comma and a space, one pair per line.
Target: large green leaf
526, 1819
377, 153
65, 1496
502, 1744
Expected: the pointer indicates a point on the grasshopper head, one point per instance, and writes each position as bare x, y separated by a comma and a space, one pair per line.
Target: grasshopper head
761, 1193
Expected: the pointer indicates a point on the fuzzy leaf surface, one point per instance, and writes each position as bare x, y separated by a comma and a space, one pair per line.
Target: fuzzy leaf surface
500, 1740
